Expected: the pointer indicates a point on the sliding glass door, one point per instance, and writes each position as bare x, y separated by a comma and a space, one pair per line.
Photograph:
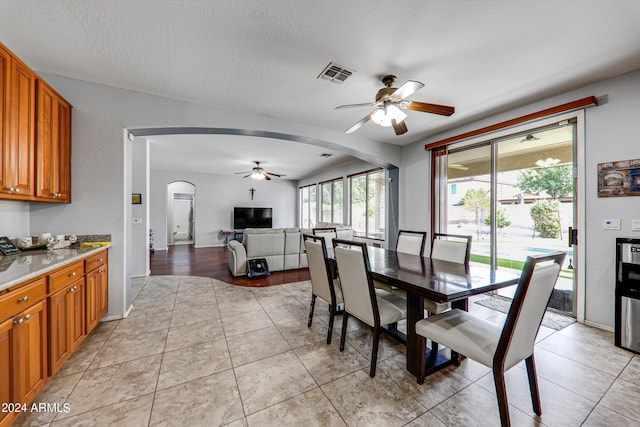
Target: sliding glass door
515, 196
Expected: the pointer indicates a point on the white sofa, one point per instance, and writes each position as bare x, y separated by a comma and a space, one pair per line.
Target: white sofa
283, 248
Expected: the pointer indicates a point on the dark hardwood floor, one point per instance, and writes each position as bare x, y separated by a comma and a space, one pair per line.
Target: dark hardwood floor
184, 260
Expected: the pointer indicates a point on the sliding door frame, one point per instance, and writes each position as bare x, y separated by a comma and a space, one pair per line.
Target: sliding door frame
579, 191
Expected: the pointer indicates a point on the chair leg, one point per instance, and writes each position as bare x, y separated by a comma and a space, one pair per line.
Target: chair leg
332, 313
343, 333
374, 352
501, 392
313, 304
533, 384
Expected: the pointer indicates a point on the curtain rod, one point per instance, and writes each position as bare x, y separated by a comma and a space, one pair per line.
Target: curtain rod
573, 105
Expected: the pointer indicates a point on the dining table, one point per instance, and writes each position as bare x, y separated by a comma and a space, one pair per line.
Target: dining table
439, 281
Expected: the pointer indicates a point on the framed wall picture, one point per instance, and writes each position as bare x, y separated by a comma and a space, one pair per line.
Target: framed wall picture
136, 199
619, 178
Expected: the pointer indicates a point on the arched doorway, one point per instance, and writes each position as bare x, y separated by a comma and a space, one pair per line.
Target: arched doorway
181, 213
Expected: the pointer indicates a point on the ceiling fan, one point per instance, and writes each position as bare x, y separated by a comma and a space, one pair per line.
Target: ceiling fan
390, 102
258, 173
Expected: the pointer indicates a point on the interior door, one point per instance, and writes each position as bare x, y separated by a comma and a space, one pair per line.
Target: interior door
182, 213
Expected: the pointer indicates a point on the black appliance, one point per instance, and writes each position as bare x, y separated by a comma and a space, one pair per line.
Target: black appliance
258, 268
252, 218
627, 293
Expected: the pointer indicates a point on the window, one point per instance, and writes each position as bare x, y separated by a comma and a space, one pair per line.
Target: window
308, 206
367, 204
332, 201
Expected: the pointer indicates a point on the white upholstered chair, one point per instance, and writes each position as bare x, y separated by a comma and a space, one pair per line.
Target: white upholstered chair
501, 348
361, 300
322, 283
328, 233
411, 242
448, 247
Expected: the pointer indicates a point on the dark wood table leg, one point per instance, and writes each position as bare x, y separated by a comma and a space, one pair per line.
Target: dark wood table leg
416, 344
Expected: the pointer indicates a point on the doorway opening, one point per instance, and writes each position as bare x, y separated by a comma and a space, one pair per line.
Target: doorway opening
181, 213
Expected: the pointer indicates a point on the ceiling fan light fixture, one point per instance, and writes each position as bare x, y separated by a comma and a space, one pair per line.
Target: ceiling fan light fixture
384, 116
257, 175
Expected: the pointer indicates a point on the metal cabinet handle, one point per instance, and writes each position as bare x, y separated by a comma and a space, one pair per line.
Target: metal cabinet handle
72, 274
27, 317
23, 299
100, 271
13, 189
19, 321
75, 288
100, 260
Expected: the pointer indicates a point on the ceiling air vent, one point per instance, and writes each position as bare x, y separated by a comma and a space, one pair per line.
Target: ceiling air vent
335, 73
326, 155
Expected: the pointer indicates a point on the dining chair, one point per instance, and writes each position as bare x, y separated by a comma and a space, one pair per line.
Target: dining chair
322, 283
328, 233
411, 242
451, 247
375, 308
454, 248
502, 347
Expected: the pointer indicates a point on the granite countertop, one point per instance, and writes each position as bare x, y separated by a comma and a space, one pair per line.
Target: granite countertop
15, 269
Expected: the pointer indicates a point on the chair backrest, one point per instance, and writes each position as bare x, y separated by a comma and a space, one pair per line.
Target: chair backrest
527, 309
328, 233
357, 286
319, 268
451, 247
411, 242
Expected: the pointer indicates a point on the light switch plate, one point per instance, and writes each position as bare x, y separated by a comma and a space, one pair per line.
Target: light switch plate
611, 224
635, 225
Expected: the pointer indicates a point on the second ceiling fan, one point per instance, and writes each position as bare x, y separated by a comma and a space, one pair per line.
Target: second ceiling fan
259, 173
390, 102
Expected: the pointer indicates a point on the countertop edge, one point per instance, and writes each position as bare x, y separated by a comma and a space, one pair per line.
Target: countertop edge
54, 266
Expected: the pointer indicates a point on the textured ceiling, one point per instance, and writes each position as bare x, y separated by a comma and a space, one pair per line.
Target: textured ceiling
263, 56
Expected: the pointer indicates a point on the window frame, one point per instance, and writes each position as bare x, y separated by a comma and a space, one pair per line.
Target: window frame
367, 233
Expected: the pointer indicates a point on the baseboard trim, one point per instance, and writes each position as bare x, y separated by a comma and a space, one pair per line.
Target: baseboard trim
599, 326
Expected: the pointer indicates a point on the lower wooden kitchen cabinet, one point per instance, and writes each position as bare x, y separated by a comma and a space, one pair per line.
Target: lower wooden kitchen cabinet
42, 322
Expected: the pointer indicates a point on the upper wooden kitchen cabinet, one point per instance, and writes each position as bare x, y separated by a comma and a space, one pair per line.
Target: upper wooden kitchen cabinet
53, 142
35, 136
18, 139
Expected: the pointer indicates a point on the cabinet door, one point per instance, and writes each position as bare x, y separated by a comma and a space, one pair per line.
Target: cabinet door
76, 314
19, 147
53, 146
30, 352
6, 369
103, 291
59, 350
4, 115
97, 291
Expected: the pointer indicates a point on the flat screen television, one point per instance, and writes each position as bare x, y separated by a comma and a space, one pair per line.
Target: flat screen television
252, 218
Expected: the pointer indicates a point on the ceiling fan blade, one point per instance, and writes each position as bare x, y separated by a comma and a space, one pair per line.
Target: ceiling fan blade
443, 110
267, 177
274, 174
407, 89
246, 176
366, 104
358, 125
400, 128
239, 173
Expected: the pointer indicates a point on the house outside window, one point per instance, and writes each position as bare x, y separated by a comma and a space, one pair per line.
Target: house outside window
367, 204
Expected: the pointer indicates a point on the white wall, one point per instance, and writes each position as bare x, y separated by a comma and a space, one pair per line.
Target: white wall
140, 263
215, 198
611, 134
14, 219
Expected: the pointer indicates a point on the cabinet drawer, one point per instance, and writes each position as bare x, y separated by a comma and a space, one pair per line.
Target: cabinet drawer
25, 296
95, 261
65, 276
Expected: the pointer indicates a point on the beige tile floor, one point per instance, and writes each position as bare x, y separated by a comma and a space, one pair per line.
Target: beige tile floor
199, 352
